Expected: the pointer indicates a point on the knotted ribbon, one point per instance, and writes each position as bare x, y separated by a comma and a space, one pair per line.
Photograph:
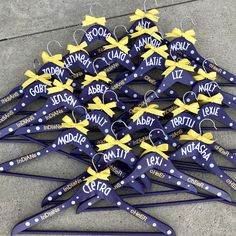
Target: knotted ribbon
188, 35
77, 48
111, 142
193, 107
97, 175
117, 44
70, 124
218, 98
152, 109
101, 76
151, 15
204, 75
98, 105
90, 20
150, 31
59, 86
160, 50
56, 59
182, 64
193, 135
32, 77
160, 149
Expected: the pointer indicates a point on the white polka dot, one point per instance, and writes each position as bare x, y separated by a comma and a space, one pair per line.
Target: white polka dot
126, 91
40, 120
72, 202
27, 223
90, 204
127, 61
154, 224
106, 131
54, 145
192, 52
131, 31
179, 183
49, 198
158, 90
221, 176
132, 159
234, 98
231, 124
11, 163
174, 144
44, 112
77, 197
132, 177
118, 203
127, 208
172, 171
231, 79
63, 206
143, 176
36, 220
1, 169
123, 107
139, 167
37, 128
206, 187
188, 100
135, 75
171, 91
59, 193
224, 72
212, 165
135, 95
87, 146
23, 104
219, 194
10, 130
73, 84
133, 68
197, 58
194, 157
38, 153
169, 232
122, 182
199, 118
21, 91
28, 131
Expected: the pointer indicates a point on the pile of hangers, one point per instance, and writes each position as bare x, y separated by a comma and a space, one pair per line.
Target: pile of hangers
90, 94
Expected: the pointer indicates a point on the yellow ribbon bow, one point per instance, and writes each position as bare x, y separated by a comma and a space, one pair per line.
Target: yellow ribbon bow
204, 75
44, 78
90, 20
56, 59
182, 64
151, 15
151, 31
70, 124
98, 105
160, 149
188, 35
152, 109
77, 48
111, 142
59, 86
193, 107
218, 98
117, 44
97, 175
101, 76
193, 135
160, 50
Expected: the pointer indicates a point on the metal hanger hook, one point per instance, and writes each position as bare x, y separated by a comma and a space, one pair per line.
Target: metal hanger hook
94, 166
191, 92
208, 59
99, 58
114, 31
73, 112
186, 18
117, 121
66, 68
200, 124
150, 135
34, 64
145, 96
103, 96
55, 41
145, 7
91, 7
74, 35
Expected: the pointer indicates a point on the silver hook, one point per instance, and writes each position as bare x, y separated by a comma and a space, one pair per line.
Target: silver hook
69, 70
94, 166
34, 64
108, 90
117, 121
200, 124
150, 135
185, 18
99, 58
114, 31
212, 82
145, 7
73, 112
145, 96
208, 59
50, 43
191, 92
91, 6
74, 34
